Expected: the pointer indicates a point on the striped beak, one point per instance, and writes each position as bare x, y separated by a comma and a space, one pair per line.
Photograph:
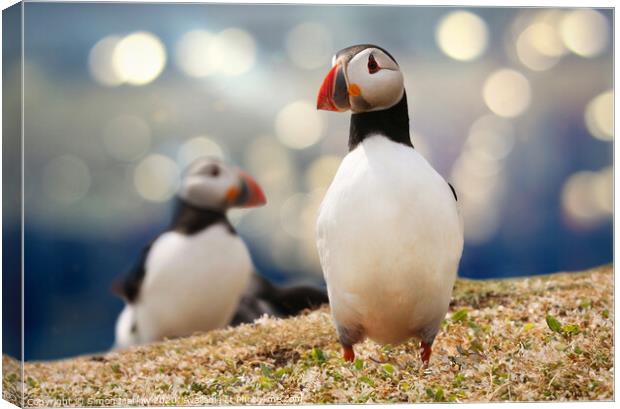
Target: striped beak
333, 94
247, 194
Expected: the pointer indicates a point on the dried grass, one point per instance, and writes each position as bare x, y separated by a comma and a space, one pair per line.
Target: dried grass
495, 345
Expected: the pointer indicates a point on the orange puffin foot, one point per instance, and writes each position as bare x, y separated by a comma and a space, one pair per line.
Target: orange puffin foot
426, 353
347, 353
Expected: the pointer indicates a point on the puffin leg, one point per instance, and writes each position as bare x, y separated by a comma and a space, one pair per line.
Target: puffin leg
426, 353
427, 337
348, 354
349, 336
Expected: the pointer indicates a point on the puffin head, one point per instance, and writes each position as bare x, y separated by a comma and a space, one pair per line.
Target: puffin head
210, 183
363, 78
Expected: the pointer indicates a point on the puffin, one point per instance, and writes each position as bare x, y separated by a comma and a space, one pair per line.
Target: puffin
198, 275
389, 230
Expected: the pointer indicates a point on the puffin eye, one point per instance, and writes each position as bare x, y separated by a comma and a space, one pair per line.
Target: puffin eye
372, 64
214, 171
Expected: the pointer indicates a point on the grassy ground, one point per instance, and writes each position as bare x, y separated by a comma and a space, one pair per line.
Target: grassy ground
543, 338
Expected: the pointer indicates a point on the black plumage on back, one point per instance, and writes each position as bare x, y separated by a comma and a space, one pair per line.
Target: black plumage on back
263, 297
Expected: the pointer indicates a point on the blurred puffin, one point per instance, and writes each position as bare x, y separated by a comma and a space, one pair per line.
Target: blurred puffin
389, 232
198, 275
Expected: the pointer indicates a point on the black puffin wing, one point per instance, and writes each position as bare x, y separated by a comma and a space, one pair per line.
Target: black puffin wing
458, 207
128, 285
453, 192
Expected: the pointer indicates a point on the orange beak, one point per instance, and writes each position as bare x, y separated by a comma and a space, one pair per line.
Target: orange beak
247, 194
333, 94
325, 99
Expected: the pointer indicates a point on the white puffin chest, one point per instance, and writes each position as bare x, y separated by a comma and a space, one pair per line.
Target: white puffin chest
389, 238
192, 283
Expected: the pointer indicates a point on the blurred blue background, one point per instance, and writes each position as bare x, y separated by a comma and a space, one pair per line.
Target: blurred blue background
512, 106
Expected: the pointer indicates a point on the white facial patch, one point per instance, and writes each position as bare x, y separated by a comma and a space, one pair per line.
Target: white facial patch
381, 89
206, 183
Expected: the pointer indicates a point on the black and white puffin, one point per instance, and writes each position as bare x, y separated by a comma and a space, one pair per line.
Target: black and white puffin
198, 275
389, 231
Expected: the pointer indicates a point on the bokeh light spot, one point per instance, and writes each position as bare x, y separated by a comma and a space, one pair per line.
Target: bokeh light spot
479, 176
545, 36
198, 147
139, 58
271, 164
462, 35
476, 163
299, 125
507, 93
587, 197
321, 172
309, 45
127, 137
192, 54
480, 224
230, 52
156, 178
585, 32
603, 191
491, 137
599, 116
66, 179
234, 51
290, 213
100, 62
535, 47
